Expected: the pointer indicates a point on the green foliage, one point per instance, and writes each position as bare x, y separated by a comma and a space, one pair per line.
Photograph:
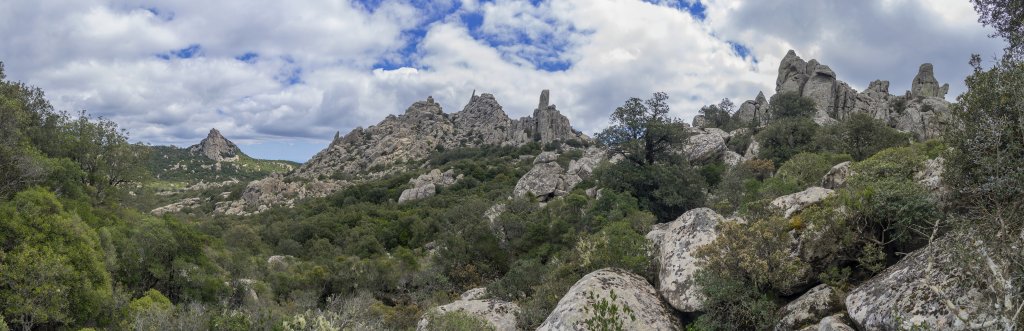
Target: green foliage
665, 189
786, 137
732, 304
51, 265
642, 131
1005, 17
739, 185
790, 105
457, 321
738, 143
720, 115
986, 142
860, 136
800, 172
605, 314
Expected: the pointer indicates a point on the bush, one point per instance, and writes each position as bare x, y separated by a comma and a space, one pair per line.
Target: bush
790, 105
732, 304
786, 137
457, 321
800, 172
860, 136
665, 189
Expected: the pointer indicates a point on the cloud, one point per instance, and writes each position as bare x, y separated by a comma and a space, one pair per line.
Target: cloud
272, 73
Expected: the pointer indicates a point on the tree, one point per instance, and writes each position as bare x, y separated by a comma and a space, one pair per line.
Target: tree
720, 115
658, 176
642, 131
790, 105
1007, 17
791, 130
53, 271
860, 136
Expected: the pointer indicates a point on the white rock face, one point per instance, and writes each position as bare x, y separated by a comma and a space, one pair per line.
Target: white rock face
900, 297
837, 176
674, 245
795, 202
753, 150
819, 302
704, 146
474, 294
177, 206
499, 314
426, 185
217, 148
931, 176
632, 291
547, 179
835, 322
731, 158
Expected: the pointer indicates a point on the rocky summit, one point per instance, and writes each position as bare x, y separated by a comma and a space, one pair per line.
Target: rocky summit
217, 148
921, 111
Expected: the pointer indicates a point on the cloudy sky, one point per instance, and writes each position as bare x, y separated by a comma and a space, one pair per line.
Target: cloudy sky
280, 77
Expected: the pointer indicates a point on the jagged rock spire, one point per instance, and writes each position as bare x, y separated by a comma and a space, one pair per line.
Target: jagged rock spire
216, 147
925, 85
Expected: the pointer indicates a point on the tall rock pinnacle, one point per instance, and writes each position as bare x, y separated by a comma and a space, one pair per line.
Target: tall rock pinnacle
217, 148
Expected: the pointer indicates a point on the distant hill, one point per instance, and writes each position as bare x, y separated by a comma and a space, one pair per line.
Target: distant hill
214, 159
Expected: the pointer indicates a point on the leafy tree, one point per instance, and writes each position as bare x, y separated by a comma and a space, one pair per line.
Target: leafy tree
860, 136
642, 131
790, 105
720, 115
665, 189
1007, 18
51, 265
786, 137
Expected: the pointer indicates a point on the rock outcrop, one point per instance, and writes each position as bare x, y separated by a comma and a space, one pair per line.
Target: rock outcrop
836, 177
705, 145
426, 185
177, 206
929, 287
631, 291
835, 322
217, 148
922, 110
931, 176
792, 203
547, 179
675, 244
810, 308
399, 141
276, 190
498, 314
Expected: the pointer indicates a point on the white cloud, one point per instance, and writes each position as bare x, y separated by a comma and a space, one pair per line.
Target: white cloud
314, 66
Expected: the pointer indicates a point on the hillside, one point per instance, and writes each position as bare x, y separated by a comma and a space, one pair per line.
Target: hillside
815, 208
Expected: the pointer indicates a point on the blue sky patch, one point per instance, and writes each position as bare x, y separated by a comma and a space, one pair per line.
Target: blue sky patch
248, 57
742, 50
189, 52
694, 7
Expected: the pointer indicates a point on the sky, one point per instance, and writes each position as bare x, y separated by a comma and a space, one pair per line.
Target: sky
279, 78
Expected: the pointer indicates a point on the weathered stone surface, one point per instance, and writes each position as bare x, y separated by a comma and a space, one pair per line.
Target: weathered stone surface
177, 206
426, 185
837, 176
818, 303
499, 314
547, 180
632, 291
217, 148
924, 117
795, 202
699, 121
263, 194
674, 245
279, 261
931, 176
907, 293
704, 146
731, 158
550, 125
753, 150
925, 85
474, 294
543, 180
834, 323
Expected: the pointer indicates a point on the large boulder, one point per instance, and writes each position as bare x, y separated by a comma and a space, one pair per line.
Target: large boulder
631, 291
925, 85
818, 303
930, 287
836, 177
426, 185
499, 314
675, 244
753, 150
835, 322
543, 180
731, 158
704, 146
795, 202
931, 176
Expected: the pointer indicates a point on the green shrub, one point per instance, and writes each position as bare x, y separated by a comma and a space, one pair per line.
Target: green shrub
732, 304
457, 321
605, 314
800, 172
790, 105
860, 136
786, 137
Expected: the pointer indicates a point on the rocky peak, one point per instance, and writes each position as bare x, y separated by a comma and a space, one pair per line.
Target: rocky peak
217, 148
925, 85
425, 107
548, 124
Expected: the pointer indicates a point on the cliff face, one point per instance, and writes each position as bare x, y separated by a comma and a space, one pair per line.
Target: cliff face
425, 128
217, 148
921, 110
